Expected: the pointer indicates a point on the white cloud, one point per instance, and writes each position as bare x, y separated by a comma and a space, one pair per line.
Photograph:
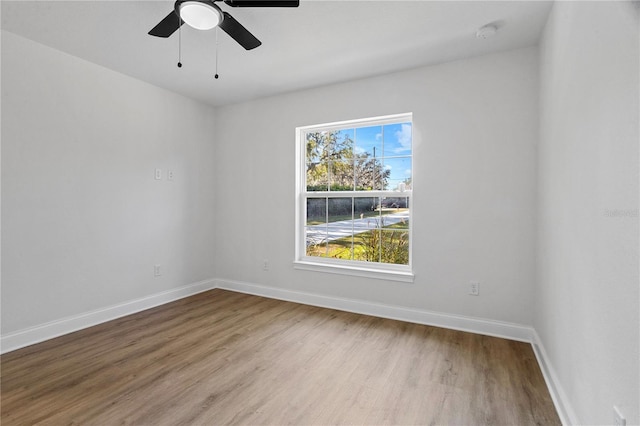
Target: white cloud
404, 138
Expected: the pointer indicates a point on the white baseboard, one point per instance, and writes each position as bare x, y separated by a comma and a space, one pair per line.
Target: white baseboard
456, 322
40, 333
560, 400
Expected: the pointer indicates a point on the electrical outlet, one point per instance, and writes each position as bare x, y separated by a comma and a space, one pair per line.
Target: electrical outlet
157, 271
170, 174
474, 288
265, 265
618, 418
158, 174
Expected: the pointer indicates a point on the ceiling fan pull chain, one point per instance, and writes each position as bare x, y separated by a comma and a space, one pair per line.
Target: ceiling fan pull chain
180, 45
216, 76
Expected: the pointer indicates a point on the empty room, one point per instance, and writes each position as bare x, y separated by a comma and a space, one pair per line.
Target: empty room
320, 212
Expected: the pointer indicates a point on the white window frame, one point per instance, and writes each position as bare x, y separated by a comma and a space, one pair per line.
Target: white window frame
377, 270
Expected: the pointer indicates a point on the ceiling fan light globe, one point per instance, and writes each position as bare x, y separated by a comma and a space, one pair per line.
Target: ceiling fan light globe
199, 15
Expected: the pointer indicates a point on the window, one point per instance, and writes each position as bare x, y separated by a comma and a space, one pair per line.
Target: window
354, 189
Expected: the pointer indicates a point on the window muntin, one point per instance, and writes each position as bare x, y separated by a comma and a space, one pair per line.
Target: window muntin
355, 188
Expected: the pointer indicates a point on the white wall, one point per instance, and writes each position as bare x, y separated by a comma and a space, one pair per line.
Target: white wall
587, 299
475, 130
83, 220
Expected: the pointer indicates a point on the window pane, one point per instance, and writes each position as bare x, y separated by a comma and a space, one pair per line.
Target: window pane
340, 143
316, 229
329, 160
367, 214
316, 240
341, 159
394, 247
340, 227
397, 139
366, 220
315, 147
316, 211
341, 175
368, 173
317, 177
368, 141
395, 212
340, 209
366, 207
398, 173
367, 245
367, 154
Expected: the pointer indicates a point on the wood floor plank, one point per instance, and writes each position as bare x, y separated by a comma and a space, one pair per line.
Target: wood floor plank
222, 357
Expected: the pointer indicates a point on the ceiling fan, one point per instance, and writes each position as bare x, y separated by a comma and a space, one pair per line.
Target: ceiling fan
205, 15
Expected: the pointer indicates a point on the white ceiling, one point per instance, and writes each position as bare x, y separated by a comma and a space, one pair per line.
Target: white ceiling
319, 43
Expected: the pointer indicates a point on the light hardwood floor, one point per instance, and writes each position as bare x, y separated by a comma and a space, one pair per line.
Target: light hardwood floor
228, 358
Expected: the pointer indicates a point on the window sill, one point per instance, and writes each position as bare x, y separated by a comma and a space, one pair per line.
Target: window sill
356, 271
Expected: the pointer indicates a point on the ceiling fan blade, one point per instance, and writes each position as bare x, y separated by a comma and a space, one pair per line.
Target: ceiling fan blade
167, 26
262, 3
239, 33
